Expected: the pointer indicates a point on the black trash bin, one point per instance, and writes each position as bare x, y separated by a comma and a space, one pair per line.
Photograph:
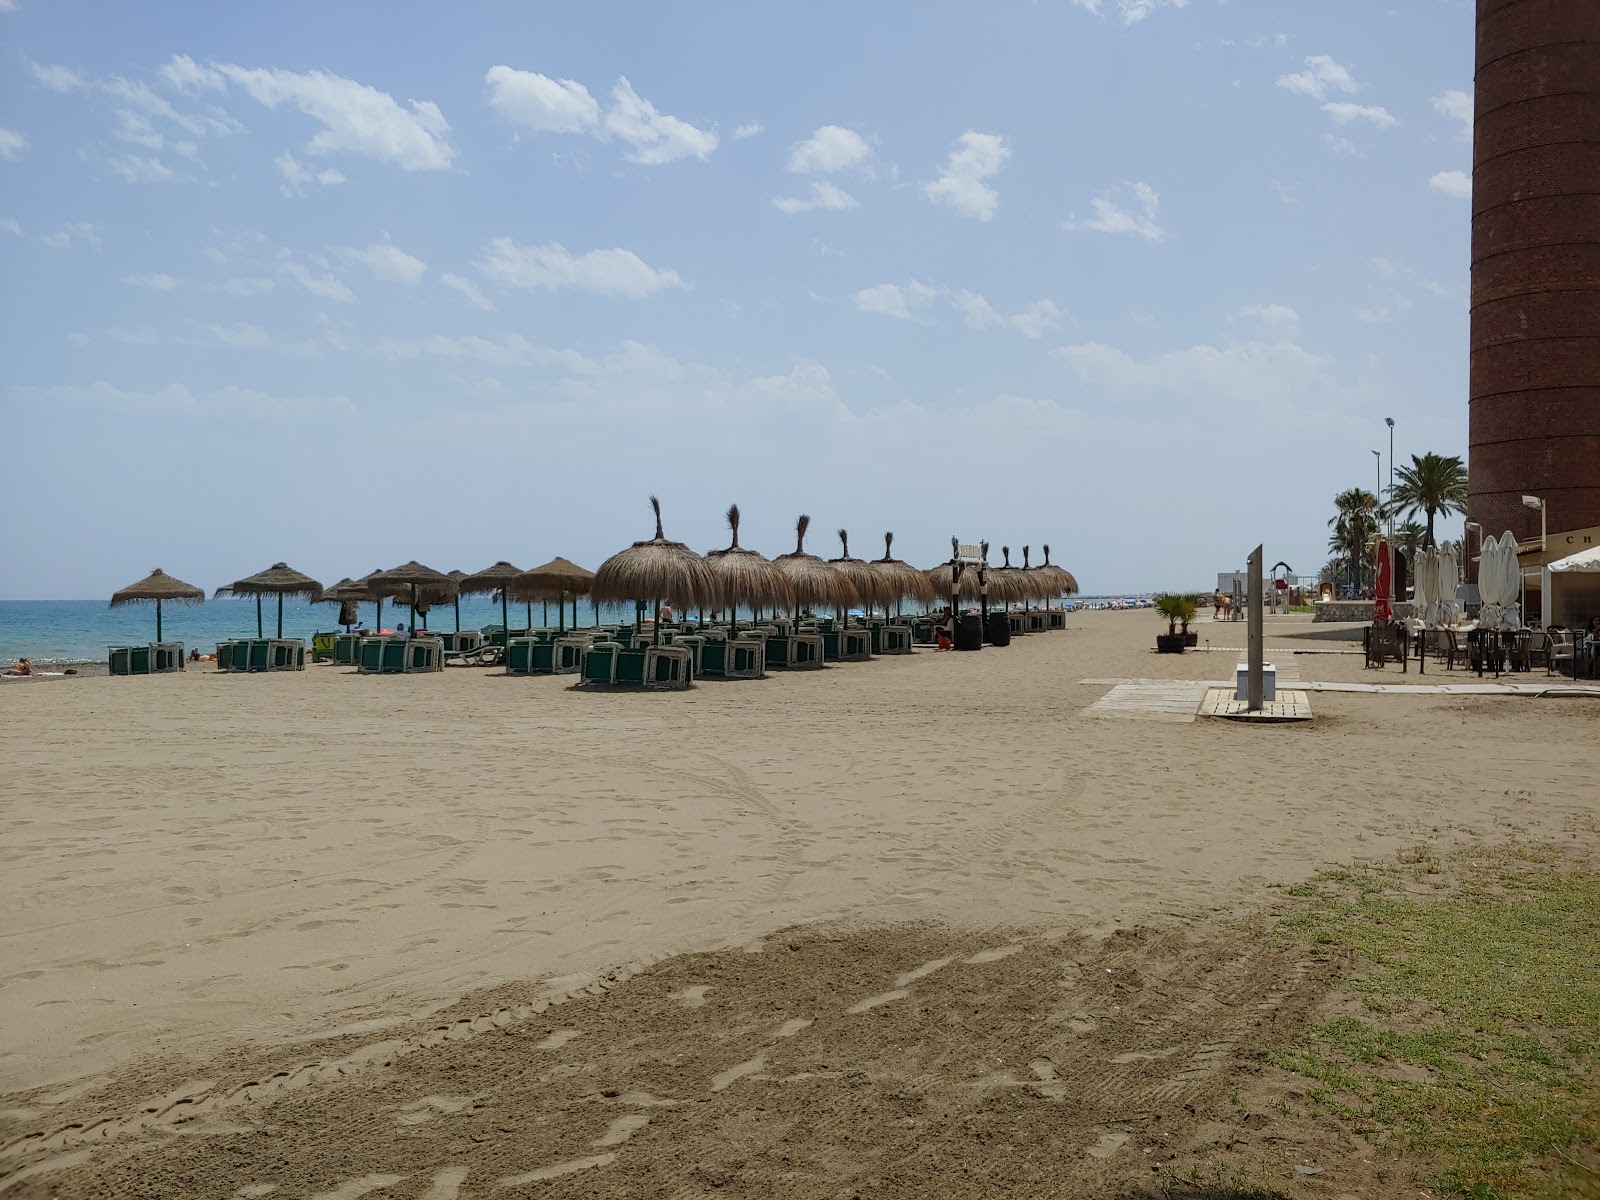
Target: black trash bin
969, 632
999, 629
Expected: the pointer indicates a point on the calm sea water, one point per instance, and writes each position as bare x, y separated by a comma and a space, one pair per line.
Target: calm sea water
72, 631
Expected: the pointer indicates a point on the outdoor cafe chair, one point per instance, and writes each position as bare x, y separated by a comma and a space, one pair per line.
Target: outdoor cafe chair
1558, 648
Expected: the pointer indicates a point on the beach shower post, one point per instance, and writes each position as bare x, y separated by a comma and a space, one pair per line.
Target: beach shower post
1256, 655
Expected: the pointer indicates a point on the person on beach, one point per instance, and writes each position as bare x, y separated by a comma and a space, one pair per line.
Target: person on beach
947, 630
666, 614
24, 667
400, 629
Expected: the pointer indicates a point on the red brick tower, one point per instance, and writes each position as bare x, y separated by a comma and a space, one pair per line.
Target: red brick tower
1535, 377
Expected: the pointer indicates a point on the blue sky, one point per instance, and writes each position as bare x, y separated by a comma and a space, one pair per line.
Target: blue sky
356, 283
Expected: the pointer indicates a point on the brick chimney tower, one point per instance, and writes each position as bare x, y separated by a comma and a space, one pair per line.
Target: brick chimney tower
1535, 372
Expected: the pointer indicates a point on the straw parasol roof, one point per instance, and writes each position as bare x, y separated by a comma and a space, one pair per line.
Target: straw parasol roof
1067, 583
655, 570
746, 576
903, 580
1000, 591
558, 579
812, 581
159, 587
413, 574
491, 579
347, 589
280, 579
1007, 583
869, 585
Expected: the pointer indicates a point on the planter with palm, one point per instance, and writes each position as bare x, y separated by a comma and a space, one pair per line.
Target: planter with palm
1354, 523
1176, 609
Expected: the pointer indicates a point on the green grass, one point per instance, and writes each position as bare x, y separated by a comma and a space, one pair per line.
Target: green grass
1478, 1044
1218, 1182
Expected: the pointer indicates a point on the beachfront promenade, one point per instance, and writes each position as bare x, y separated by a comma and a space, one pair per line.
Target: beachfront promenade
211, 879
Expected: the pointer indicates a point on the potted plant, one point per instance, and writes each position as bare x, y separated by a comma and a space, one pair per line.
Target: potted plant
1191, 608
1171, 606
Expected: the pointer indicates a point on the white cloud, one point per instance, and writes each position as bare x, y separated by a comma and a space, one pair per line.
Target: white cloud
1139, 219
1342, 145
244, 287
1321, 74
12, 143
10, 225
831, 148
1032, 322
137, 168
327, 285
468, 290
892, 300
177, 399
512, 351
158, 282
536, 101
75, 233
1254, 375
1456, 105
297, 177
242, 336
823, 195
1277, 322
56, 78
1131, 11
749, 129
355, 117
614, 272
141, 335
656, 138
9, 6
1452, 183
138, 103
977, 157
1343, 112
386, 262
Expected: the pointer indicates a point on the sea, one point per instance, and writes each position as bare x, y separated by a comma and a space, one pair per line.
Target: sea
68, 632
72, 632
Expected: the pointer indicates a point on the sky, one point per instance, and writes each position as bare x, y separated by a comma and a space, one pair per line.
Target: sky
350, 284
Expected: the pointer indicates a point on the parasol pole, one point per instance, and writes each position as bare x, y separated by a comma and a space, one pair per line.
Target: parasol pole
561, 612
458, 610
544, 612
574, 610
280, 614
505, 624
258, 617
377, 622
158, 621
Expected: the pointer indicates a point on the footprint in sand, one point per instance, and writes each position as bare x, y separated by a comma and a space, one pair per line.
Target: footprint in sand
560, 1169
989, 956
621, 1130
446, 1184
1108, 1145
926, 969
726, 1079
557, 1039
351, 1189
419, 1112
691, 997
793, 1026
861, 1006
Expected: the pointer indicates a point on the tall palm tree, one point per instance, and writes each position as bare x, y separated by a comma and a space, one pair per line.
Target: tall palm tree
1434, 484
1354, 521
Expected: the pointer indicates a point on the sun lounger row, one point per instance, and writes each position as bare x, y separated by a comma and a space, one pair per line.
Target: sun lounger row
154, 659
261, 654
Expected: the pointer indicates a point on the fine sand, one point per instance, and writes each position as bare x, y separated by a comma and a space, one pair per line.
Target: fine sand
456, 934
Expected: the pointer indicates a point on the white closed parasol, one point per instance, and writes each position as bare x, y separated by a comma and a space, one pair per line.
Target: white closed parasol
1448, 583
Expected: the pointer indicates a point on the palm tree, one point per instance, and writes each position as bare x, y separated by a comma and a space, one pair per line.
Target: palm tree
1354, 521
1434, 484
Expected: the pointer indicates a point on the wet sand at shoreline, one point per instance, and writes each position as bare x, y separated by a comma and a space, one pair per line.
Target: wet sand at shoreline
213, 878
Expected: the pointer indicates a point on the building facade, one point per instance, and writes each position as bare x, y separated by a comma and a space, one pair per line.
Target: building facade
1534, 427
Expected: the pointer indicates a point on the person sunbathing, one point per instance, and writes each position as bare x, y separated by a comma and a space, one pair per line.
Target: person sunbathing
24, 667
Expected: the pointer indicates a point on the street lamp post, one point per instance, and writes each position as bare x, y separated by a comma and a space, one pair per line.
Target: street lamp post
1376, 526
1389, 421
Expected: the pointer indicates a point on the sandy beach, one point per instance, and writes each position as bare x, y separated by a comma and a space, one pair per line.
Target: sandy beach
445, 935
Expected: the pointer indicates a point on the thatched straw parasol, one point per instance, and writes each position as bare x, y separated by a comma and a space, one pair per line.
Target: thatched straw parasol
1060, 579
418, 578
1006, 583
868, 584
967, 585
555, 580
746, 576
812, 581
280, 580
901, 579
657, 570
488, 581
161, 588
347, 593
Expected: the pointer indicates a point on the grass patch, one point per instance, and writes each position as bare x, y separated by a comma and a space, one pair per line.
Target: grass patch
1475, 1040
1218, 1182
